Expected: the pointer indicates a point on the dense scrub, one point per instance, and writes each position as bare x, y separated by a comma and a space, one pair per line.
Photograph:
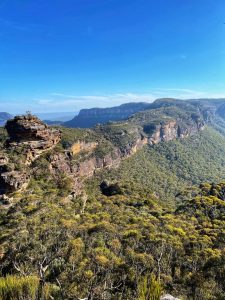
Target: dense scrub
106, 247
155, 233
169, 167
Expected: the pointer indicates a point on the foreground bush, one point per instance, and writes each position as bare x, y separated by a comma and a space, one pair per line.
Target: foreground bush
18, 288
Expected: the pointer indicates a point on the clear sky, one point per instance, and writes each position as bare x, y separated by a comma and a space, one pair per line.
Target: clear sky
63, 55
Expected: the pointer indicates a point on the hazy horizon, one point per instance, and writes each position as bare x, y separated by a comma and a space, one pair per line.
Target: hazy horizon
67, 114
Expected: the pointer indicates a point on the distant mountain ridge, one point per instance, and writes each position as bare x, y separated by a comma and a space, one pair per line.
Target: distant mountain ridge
4, 116
90, 117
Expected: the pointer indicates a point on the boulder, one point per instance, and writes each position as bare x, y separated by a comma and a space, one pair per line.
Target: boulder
168, 297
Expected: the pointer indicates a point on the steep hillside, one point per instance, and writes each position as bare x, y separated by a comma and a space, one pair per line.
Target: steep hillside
98, 245
90, 117
78, 154
167, 168
98, 213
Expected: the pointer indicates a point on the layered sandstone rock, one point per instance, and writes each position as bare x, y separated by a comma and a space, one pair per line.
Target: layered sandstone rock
170, 131
32, 137
32, 133
12, 181
81, 146
80, 170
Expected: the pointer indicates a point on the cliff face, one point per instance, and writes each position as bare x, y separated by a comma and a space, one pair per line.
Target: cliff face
163, 132
125, 141
81, 146
81, 169
171, 131
83, 158
90, 117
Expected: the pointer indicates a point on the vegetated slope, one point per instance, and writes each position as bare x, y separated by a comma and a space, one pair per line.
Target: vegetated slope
105, 147
90, 117
167, 168
104, 247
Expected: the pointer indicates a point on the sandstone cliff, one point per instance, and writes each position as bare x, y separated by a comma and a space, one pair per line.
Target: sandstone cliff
82, 158
90, 117
125, 140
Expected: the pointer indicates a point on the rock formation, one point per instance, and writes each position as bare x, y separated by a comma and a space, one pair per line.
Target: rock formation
81, 146
29, 128
12, 181
82, 160
32, 137
31, 132
170, 130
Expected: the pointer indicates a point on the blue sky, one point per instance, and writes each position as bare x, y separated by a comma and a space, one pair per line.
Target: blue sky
63, 55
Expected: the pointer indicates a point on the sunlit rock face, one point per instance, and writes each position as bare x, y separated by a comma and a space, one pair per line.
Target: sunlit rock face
31, 133
29, 137
29, 128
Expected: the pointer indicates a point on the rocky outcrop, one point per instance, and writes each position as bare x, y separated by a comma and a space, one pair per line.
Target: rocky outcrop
12, 181
81, 146
79, 170
82, 160
170, 131
29, 129
32, 137
161, 132
32, 134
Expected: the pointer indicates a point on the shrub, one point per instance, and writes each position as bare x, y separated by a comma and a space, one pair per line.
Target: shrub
149, 288
18, 288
